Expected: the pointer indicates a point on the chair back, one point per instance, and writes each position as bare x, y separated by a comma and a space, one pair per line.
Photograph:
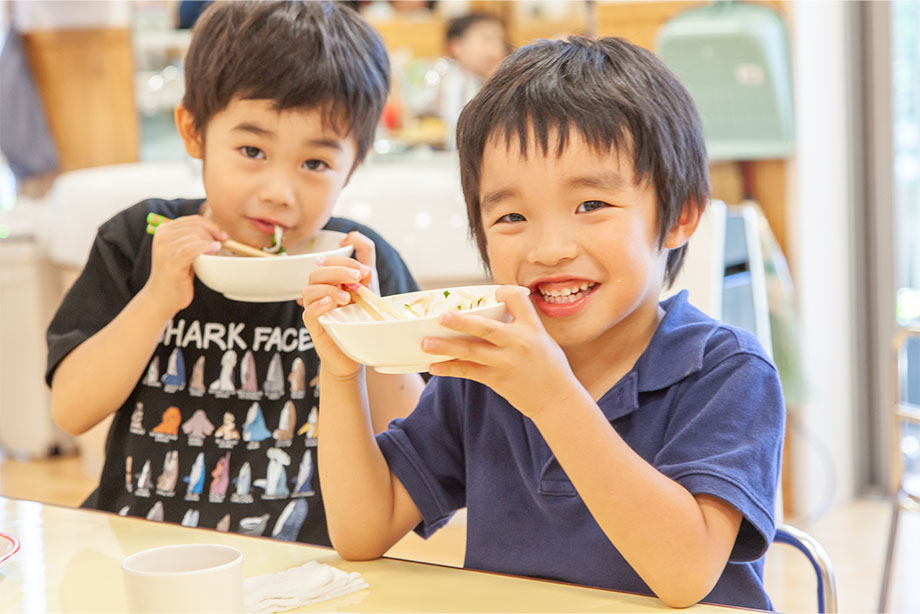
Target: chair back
820, 561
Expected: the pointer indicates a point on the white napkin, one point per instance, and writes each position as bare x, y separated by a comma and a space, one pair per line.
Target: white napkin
299, 586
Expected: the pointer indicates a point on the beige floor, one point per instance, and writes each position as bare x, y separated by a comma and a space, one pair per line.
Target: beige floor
854, 536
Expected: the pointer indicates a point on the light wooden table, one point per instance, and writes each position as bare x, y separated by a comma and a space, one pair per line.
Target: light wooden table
70, 561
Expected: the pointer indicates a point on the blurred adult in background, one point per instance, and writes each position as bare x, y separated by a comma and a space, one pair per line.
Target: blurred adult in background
189, 10
476, 44
27, 145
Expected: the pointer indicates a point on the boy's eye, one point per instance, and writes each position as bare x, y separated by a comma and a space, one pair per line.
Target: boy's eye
252, 152
590, 205
315, 165
510, 217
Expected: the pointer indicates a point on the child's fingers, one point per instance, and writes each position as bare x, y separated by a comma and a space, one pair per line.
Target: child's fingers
187, 230
316, 292
487, 329
340, 270
365, 251
215, 231
184, 247
313, 310
366, 256
517, 299
330, 354
469, 350
335, 275
207, 223
190, 247
459, 368
192, 224
343, 261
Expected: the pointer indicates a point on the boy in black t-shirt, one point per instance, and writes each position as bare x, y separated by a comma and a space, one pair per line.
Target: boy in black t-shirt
214, 400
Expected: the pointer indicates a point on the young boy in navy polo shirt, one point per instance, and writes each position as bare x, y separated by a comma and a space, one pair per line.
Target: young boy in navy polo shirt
601, 437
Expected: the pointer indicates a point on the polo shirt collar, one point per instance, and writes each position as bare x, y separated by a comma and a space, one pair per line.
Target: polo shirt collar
677, 347
674, 353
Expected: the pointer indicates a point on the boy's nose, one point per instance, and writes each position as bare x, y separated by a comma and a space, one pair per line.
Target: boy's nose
552, 246
277, 187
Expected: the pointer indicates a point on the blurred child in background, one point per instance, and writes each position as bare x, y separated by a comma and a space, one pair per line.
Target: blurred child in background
476, 44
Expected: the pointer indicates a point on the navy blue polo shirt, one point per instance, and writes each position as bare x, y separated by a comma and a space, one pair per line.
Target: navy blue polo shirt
702, 404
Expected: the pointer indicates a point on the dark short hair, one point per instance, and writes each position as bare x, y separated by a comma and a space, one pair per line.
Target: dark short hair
617, 96
300, 54
458, 26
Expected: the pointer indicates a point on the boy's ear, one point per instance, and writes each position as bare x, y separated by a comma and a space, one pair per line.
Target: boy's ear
685, 227
452, 46
185, 124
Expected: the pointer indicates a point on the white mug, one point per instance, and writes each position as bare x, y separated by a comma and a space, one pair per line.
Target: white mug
185, 578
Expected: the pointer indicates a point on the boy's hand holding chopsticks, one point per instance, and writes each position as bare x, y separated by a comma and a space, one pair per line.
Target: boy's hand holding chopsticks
155, 220
338, 281
176, 245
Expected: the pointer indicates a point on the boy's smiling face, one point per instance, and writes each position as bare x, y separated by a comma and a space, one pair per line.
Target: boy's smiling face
264, 167
579, 232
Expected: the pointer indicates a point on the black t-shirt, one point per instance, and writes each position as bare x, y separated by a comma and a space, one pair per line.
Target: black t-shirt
221, 430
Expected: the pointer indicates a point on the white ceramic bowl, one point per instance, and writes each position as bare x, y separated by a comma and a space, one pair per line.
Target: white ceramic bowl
395, 346
266, 280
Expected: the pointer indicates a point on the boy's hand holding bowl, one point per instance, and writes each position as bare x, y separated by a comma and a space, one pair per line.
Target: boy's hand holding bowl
517, 358
240, 272
346, 335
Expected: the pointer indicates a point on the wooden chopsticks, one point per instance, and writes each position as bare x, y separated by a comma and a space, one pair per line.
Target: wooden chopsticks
373, 304
369, 302
155, 219
365, 305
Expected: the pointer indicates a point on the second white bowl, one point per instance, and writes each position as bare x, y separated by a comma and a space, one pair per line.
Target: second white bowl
267, 280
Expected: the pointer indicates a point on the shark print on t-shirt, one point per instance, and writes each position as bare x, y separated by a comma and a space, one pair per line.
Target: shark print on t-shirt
196, 382
137, 420
153, 373
297, 379
255, 430
174, 378
239, 430
273, 387
223, 387
166, 483
198, 427
220, 479
284, 434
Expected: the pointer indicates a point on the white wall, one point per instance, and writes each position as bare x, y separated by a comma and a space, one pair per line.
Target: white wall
43, 15
821, 211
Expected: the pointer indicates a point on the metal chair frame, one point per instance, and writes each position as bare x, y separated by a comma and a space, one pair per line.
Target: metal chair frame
820, 561
904, 489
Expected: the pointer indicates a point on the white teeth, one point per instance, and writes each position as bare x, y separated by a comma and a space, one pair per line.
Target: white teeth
566, 295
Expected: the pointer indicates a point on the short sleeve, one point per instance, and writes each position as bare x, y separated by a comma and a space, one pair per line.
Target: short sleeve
425, 452
725, 439
98, 295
